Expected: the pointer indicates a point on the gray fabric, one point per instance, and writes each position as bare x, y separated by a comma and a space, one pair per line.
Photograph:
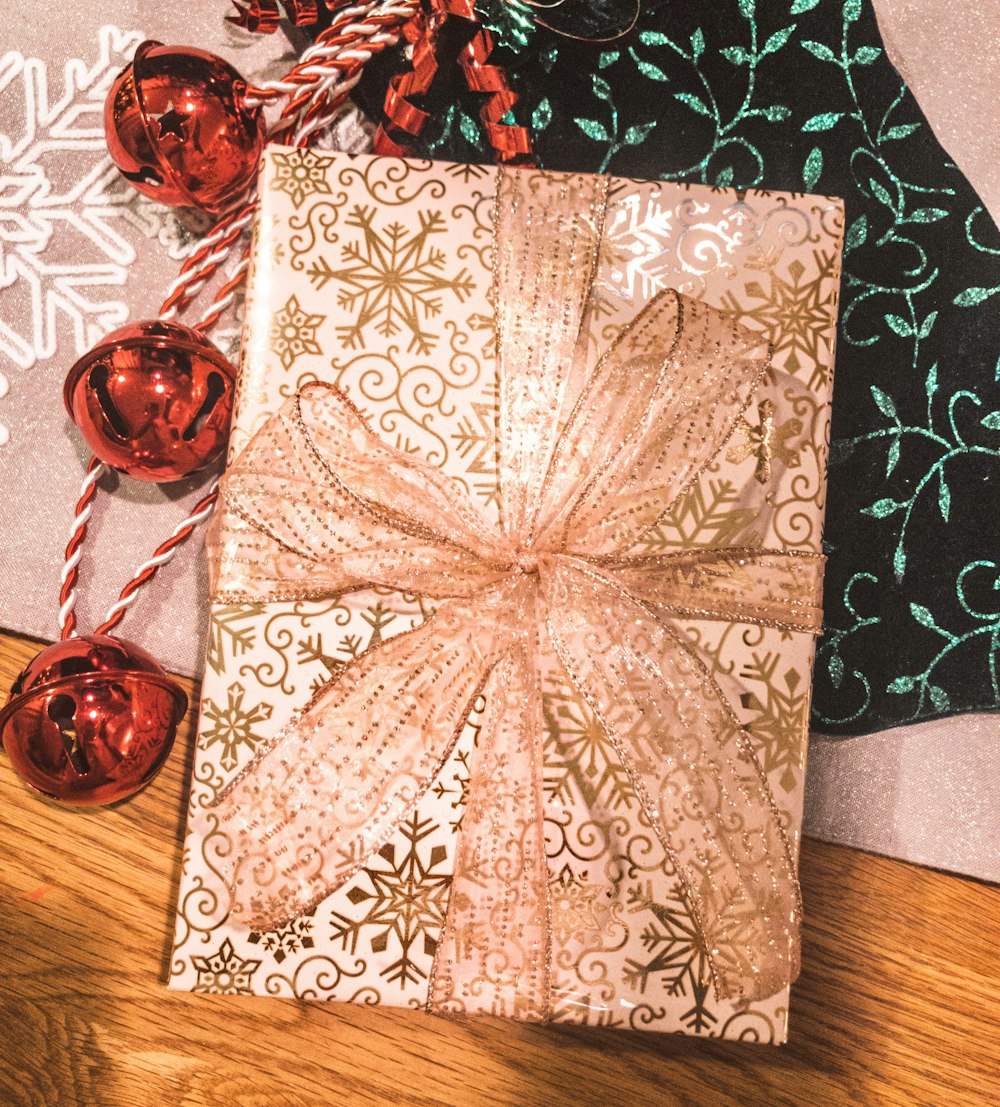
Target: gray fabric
81, 252
928, 793
949, 54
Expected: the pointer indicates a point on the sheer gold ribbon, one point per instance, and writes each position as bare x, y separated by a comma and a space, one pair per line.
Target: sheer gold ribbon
589, 460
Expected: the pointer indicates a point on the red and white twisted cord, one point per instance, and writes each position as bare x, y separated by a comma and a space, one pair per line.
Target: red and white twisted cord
316, 89
163, 553
74, 549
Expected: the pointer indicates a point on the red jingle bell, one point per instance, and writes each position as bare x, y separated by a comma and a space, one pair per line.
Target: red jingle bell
153, 400
90, 720
178, 128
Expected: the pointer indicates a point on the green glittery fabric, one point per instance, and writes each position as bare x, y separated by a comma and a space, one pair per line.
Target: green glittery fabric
799, 95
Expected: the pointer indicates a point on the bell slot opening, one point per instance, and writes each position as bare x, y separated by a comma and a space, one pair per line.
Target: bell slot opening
147, 175
215, 387
62, 710
99, 383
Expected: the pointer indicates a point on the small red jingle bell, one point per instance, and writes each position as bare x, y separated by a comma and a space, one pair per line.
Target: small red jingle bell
178, 128
153, 400
90, 720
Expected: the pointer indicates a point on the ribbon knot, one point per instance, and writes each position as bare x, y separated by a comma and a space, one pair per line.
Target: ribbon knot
592, 453
526, 562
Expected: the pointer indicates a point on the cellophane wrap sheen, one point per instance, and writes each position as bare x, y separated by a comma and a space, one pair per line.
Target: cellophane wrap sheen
515, 575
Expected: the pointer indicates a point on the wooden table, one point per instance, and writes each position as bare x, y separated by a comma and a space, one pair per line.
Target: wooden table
898, 1002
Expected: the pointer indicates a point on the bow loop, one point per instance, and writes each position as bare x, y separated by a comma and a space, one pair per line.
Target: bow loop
656, 410
317, 504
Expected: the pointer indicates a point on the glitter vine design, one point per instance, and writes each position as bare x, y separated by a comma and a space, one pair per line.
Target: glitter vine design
953, 446
745, 60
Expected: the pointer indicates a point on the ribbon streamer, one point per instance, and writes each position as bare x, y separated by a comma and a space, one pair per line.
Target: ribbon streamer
469, 46
591, 456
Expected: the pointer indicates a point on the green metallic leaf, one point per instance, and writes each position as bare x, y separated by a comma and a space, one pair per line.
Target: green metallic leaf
647, 69
698, 43
653, 38
594, 129
541, 117
922, 615
801, 6
899, 562
902, 130
899, 325
835, 667
992, 421
777, 40
607, 57
822, 122
932, 384
748, 8
602, 90
927, 324
635, 134
865, 55
893, 459
469, 128
824, 53
901, 684
939, 697
776, 113
852, 11
884, 402
857, 232
880, 193
724, 178
881, 508
927, 215
813, 168
693, 102
736, 54
944, 498
972, 296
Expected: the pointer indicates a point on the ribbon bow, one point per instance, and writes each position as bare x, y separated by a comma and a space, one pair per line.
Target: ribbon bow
591, 457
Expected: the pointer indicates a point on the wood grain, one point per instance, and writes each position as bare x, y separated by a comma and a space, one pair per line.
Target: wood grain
898, 1003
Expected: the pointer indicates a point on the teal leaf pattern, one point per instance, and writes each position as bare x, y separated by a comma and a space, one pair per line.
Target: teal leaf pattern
813, 168
822, 122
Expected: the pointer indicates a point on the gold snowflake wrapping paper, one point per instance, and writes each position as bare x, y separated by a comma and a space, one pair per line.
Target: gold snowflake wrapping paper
374, 275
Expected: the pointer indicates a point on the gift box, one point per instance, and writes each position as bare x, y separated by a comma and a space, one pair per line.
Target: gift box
515, 574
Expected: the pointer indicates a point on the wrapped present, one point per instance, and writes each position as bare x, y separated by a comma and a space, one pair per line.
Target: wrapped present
516, 578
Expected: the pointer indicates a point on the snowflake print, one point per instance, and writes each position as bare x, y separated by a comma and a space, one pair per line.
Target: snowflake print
793, 316
286, 940
676, 962
232, 726
781, 708
636, 247
300, 173
67, 219
392, 280
576, 906
404, 903
293, 332
224, 973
